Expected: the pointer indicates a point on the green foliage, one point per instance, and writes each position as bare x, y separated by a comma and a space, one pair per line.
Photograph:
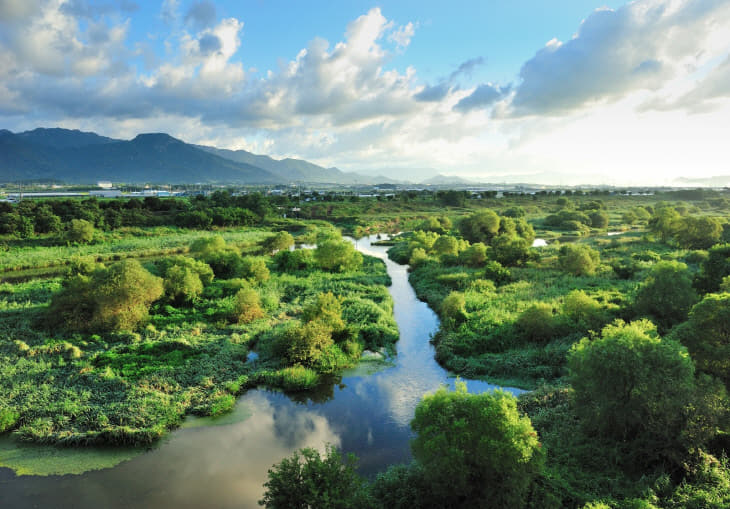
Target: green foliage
327, 309
715, 268
480, 226
446, 245
307, 480
418, 258
337, 256
494, 271
453, 309
280, 241
578, 259
639, 392
292, 261
182, 284
474, 256
665, 222
537, 323
666, 294
254, 269
584, 311
476, 450
706, 334
698, 232
80, 230
247, 307
510, 250
117, 298
599, 219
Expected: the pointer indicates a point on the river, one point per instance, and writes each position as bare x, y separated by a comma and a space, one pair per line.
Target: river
224, 463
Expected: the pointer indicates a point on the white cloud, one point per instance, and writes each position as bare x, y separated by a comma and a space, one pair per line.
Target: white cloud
640, 46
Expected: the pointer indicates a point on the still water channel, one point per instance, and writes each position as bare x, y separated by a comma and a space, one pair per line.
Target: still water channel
224, 463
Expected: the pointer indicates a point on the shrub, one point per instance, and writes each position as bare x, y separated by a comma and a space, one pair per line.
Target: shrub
578, 259
326, 308
638, 391
453, 309
308, 480
279, 242
80, 231
254, 269
476, 450
537, 323
474, 255
480, 226
510, 250
599, 219
494, 271
113, 299
706, 334
182, 284
666, 294
583, 310
446, 245
291, 261
247, 307
337, 255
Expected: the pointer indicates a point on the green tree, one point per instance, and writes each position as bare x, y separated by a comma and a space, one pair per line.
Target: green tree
254, 269
599, 219
337, 255
474, 255
537, 323
578, 259
706, 334
714, 268
182, 284
698, 232
453, 309
476, 450
307, 480
327, 308
480, 226
446, 245
80, 230
666, 294
584, 311
247, 306
665, 222
113, 299
638, 391
280, 241
510, 250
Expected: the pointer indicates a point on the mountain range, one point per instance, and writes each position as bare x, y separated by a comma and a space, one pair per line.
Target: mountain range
74, 156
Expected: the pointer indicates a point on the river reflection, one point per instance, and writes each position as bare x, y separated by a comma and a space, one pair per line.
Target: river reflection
225, 465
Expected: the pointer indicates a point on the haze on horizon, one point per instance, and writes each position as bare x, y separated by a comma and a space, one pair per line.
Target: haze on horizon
630, 93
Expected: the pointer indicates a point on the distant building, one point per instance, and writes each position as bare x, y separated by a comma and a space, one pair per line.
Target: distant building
104, 184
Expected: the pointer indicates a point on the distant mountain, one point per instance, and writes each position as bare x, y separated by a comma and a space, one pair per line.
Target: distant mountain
83, 157
75, 157
447, 180
297, 170
56, 137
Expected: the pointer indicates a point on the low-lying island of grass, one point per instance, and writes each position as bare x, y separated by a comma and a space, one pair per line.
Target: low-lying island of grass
120, 354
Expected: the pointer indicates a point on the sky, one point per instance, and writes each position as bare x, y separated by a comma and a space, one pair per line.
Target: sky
580, 91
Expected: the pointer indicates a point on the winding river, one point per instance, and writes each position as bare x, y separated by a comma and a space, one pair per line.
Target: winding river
224, 463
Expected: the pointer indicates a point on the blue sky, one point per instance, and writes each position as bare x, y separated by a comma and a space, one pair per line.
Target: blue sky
578, 91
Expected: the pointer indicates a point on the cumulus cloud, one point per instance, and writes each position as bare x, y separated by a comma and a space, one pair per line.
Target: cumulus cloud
441, 90
483, 96
640, 46
201, 14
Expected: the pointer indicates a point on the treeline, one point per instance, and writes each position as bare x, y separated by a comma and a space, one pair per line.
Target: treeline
221, 208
